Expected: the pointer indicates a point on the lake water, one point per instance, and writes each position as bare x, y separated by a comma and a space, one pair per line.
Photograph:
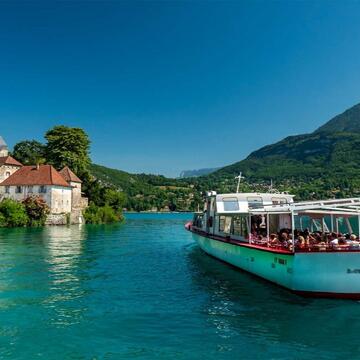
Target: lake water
144, 290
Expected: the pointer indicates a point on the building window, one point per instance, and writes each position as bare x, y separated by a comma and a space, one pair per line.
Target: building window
7, 189
42, 189
18, 189
30, 189
7, 174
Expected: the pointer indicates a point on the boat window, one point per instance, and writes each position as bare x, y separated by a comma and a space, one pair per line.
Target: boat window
316, 225
227, 227
278, 201
197, 221
255, 202
225, 224
221, 223
240, 225
231, 204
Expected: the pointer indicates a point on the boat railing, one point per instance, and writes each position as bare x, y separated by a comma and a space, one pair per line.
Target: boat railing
319, 247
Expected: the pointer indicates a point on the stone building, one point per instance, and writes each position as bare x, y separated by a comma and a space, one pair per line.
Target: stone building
8, 165
78, 202
39, 180
60, 190
4, 151
75, 183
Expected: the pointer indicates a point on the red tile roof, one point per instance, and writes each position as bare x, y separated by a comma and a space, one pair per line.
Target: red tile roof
9, 160
68, 175
33, 175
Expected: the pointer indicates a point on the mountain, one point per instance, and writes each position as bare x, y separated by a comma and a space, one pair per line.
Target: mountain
323, 163
196, 173
348, 121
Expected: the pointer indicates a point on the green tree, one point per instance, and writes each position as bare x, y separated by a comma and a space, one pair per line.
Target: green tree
29, 152
115, 199
101, 214
14, 213
67, 146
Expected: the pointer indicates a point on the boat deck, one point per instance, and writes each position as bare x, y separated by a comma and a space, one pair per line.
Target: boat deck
263, 245
276, 250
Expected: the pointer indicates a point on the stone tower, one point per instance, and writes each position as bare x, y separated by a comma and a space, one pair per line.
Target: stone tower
4, 150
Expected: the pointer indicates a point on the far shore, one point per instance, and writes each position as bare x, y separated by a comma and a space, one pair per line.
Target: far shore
157, 212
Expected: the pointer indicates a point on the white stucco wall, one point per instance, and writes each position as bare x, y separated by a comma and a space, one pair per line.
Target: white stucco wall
6, 171
76, 194
58, 198
4, 152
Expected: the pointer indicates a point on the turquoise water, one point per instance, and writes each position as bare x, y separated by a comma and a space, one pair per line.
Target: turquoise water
143, 290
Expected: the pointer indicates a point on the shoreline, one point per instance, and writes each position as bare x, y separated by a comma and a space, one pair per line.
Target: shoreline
157, 212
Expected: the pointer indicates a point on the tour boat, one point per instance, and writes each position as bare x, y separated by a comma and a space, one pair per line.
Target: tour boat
319, 250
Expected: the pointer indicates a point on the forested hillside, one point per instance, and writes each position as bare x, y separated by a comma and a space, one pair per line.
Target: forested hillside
150, 192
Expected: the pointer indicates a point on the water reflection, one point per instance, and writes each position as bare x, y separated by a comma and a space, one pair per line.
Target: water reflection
240, 306
66, 278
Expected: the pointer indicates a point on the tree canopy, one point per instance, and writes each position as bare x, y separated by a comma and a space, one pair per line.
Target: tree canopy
29, 152
67, 146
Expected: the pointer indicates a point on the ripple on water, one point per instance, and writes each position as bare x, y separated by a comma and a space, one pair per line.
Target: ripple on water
144, 290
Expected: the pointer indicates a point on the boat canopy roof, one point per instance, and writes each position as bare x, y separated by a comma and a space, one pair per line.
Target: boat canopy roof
245, 202
278, 203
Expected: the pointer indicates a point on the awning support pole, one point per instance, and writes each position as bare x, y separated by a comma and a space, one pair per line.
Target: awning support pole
250, 232
293, 230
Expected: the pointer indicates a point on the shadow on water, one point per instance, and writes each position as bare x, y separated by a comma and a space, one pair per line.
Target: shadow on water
241, 305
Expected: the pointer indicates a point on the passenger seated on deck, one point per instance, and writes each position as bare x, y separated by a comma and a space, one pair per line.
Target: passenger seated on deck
261, 240
342, 241
354, 242
273, 240
301, 242
284, 239
334, 239
353, 237
312, 239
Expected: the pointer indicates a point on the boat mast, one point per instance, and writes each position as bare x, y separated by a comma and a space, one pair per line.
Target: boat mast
239, 180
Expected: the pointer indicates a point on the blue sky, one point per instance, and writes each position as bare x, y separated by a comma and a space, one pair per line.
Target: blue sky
165, 86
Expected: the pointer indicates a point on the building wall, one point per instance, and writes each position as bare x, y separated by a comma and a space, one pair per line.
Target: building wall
76, 195
5, 170
58, 198
4, 152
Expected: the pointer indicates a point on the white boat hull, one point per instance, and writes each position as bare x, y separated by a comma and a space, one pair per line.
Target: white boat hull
335, 274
